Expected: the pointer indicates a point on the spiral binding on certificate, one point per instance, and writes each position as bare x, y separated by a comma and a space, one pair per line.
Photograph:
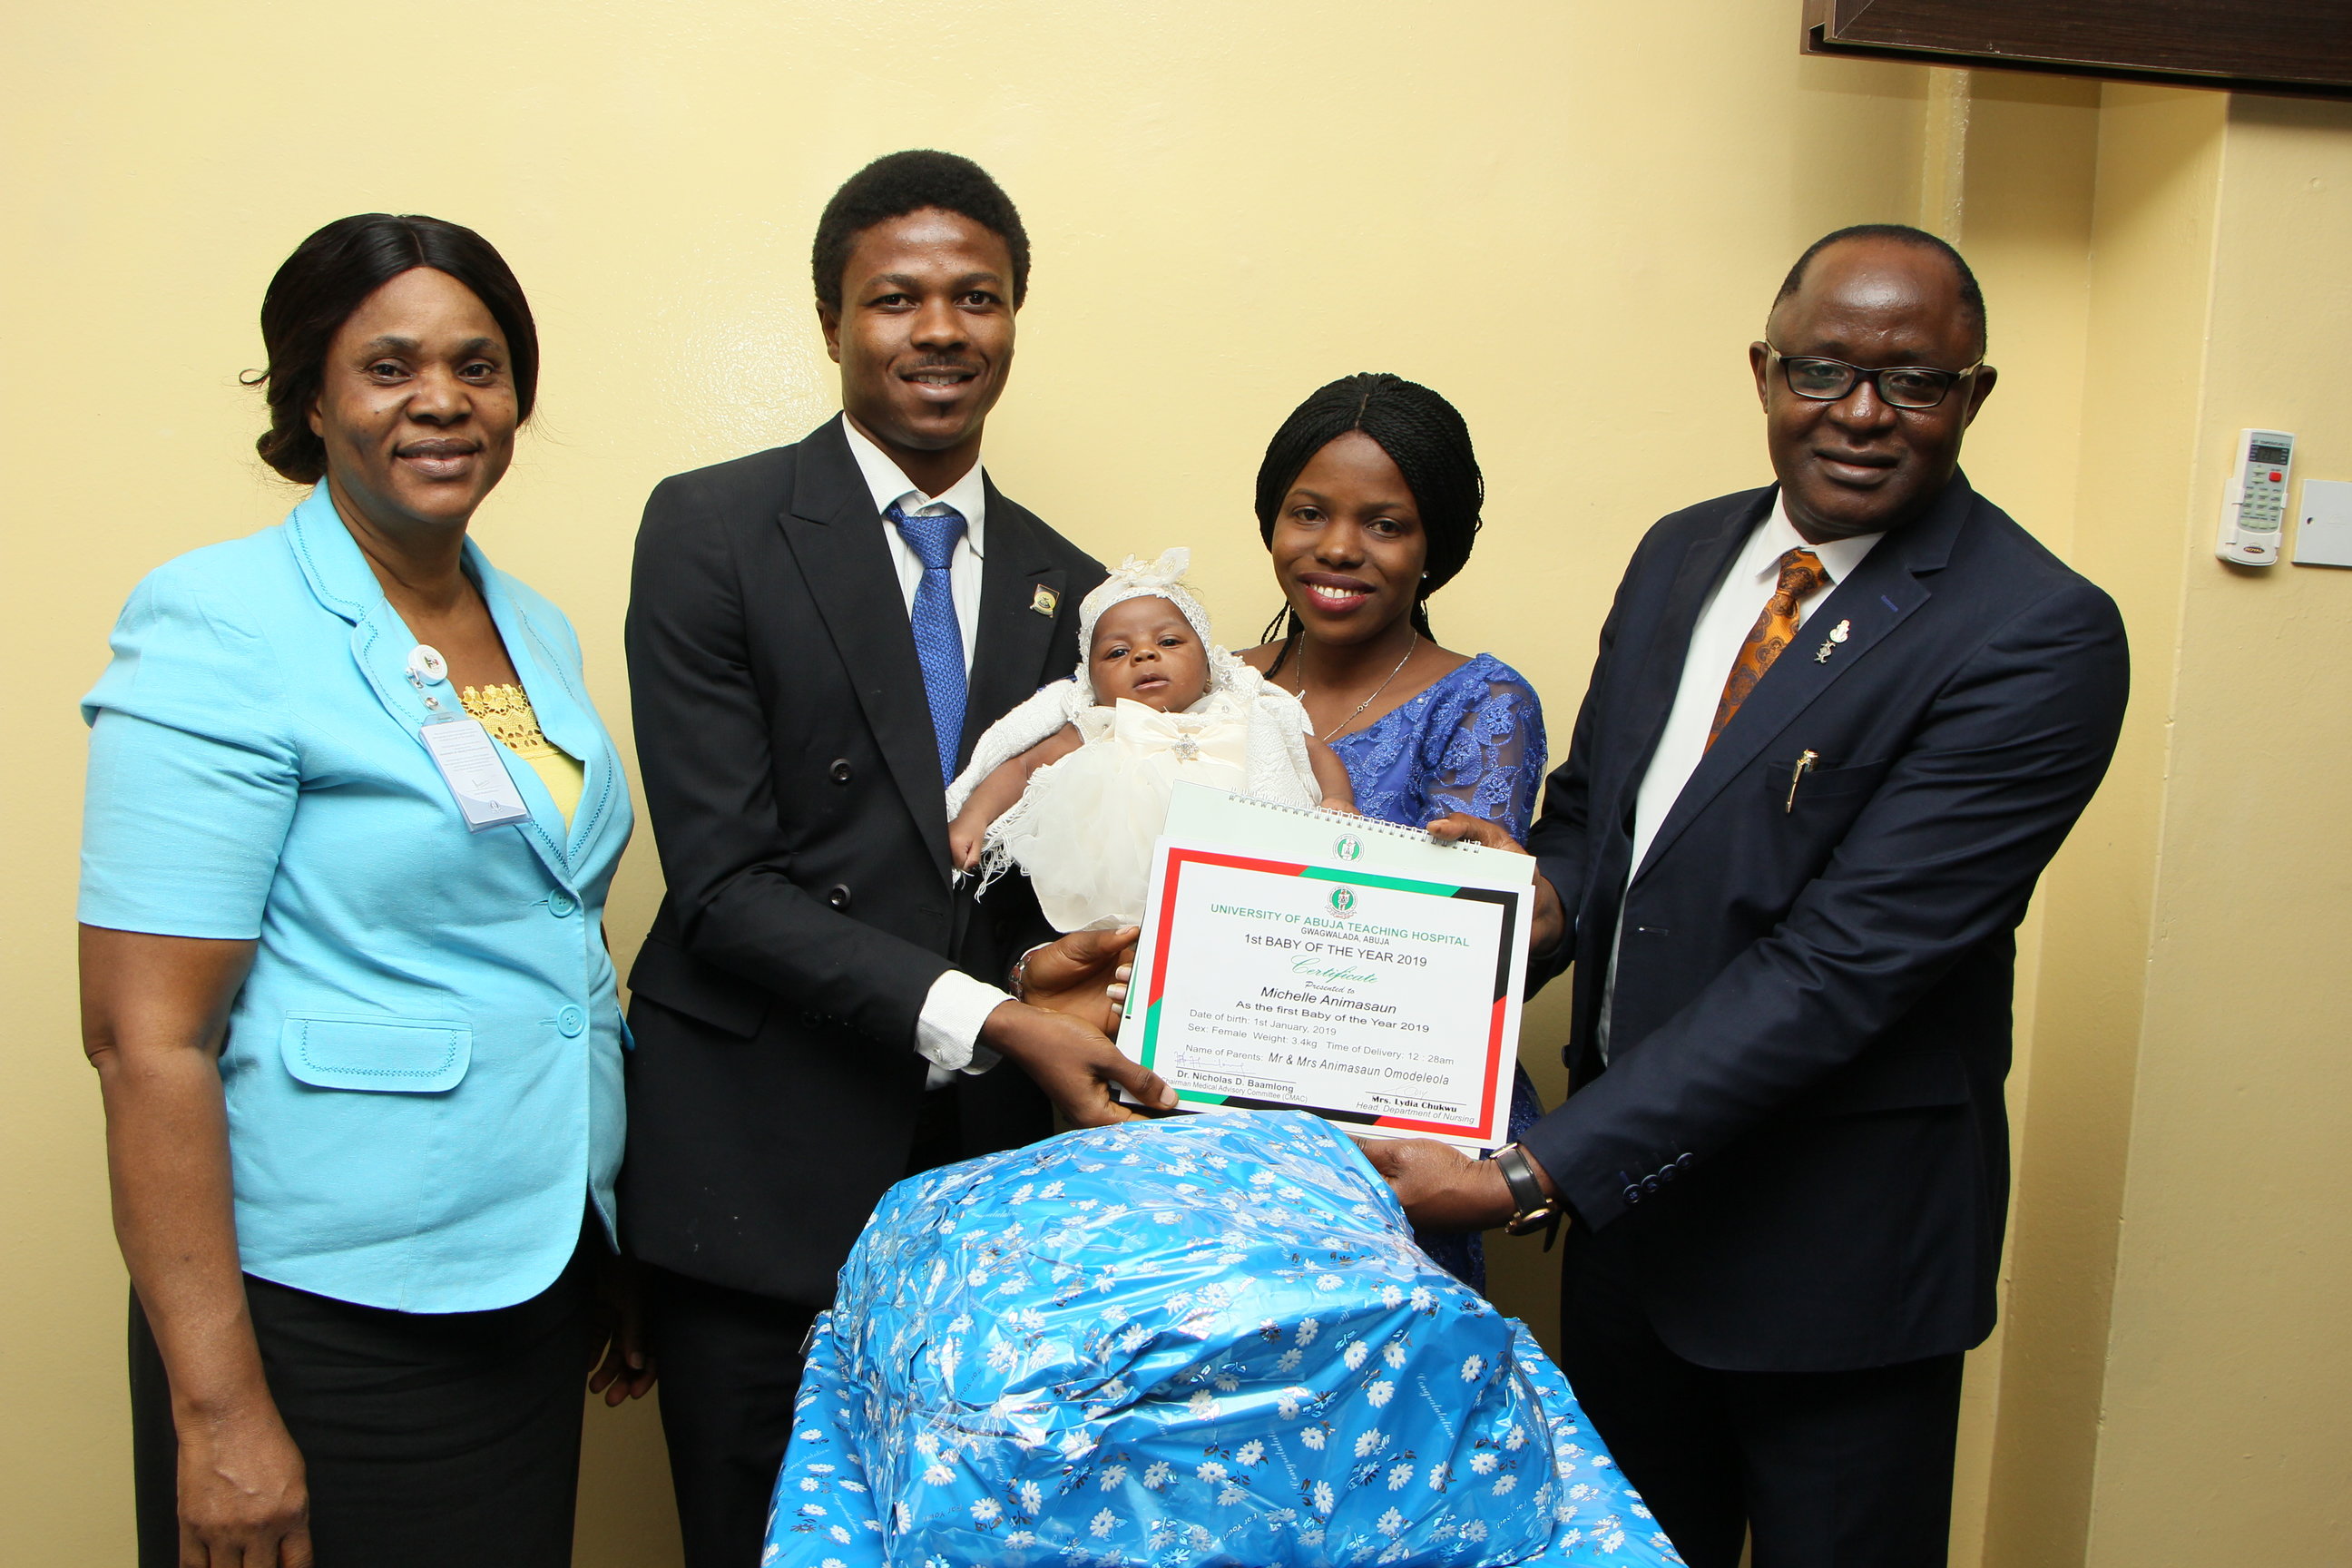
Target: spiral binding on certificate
1353, 823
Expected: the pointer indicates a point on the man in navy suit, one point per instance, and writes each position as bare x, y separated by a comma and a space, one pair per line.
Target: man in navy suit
1836, 728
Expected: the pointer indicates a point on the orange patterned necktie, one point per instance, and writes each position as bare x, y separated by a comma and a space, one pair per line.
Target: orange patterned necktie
1802, 575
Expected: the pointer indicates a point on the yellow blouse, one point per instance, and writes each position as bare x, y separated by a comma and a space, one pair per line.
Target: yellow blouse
505, 713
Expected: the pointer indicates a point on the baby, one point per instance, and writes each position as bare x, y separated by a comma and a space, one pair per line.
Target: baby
1072, 787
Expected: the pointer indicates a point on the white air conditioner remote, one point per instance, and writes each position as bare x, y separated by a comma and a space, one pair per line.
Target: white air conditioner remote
2253, 507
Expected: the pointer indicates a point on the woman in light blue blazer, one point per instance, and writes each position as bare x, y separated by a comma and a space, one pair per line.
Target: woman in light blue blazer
349, 825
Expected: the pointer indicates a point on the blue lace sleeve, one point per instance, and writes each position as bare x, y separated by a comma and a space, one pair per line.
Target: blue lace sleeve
1491, 763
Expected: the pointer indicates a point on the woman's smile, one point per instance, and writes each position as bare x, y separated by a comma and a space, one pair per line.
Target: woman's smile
1336, 595
440, 457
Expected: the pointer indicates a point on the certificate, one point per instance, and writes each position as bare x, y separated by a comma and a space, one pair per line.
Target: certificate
1299, 960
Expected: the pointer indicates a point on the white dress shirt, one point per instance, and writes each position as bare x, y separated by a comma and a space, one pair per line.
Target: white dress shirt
1716, 641
947, 1031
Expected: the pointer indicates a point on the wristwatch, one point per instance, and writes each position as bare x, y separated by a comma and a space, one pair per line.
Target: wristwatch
1536, 1210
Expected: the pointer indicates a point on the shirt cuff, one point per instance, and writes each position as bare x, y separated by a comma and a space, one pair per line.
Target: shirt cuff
947, 1031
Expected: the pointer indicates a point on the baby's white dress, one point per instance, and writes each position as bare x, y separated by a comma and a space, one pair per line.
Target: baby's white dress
1084, 829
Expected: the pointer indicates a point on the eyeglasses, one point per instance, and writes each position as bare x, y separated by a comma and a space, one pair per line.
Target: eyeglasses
1905, 386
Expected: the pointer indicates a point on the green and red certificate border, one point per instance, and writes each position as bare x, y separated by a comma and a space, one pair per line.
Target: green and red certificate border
1156, 983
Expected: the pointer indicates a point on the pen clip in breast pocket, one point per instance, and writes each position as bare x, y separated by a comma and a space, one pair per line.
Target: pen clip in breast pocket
1808, 778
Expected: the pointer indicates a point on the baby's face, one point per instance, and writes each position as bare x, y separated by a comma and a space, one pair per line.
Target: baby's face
1146, 651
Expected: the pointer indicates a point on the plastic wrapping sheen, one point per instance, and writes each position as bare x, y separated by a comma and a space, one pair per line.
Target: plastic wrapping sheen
1203, 1342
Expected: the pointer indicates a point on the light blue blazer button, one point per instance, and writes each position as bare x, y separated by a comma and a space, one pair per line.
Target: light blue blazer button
560, 903
572, 1020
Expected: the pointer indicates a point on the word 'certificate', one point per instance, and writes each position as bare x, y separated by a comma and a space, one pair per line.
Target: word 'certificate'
1296, 960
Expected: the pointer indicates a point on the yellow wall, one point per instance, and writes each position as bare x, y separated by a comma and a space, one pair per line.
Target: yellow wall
2227, 1415
1566, 221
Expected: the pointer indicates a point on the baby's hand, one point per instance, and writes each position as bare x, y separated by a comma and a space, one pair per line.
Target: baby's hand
1333, 803
963, 845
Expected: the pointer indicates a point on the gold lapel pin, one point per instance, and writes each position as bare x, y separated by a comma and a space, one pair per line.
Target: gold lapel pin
1838, 634
1045, 601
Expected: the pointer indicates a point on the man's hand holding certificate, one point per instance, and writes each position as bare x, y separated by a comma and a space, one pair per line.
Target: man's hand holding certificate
1310, 961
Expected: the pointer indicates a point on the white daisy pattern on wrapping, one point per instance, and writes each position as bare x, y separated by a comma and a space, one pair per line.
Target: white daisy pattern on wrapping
1118, 1349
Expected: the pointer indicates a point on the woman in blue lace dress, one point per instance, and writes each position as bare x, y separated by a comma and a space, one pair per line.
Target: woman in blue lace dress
1369, 502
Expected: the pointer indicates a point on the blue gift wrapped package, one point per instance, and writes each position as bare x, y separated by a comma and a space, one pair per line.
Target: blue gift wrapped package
1201, 1341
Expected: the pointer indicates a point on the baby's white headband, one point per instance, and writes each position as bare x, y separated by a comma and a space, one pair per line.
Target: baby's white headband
1163, 579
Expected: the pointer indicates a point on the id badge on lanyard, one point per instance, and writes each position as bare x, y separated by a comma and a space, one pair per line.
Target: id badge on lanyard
468, 759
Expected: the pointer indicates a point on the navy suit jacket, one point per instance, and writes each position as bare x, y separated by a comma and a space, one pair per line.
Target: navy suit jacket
1799, 1146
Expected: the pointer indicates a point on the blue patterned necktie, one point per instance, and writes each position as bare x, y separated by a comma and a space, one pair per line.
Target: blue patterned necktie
938, 641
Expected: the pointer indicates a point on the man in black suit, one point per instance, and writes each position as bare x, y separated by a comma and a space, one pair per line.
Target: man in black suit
1836, 728
817, 635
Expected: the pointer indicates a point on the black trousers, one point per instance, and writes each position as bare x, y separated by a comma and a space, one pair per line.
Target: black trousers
1830, 1470
731, 1365
449, 1438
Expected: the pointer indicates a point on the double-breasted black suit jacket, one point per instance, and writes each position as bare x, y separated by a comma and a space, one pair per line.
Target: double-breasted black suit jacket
1797, 1147
785, 748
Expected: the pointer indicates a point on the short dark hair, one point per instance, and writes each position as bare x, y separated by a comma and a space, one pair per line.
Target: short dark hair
328, 276
1972, 296
1424, 435
902, 182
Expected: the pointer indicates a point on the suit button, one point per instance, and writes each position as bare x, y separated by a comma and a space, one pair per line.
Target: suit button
1684, 1163
1632, 1194
837, 894
571, 1020
839, 771
1669, 1172
1649, 1184
560, 903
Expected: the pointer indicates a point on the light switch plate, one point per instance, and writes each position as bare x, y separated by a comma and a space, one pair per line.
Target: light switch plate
2324, 535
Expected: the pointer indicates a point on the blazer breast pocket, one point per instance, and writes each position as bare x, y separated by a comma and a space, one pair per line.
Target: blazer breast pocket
1793, 787
381, 1055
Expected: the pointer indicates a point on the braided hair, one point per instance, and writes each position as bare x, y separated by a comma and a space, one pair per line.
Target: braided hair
1423, 436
